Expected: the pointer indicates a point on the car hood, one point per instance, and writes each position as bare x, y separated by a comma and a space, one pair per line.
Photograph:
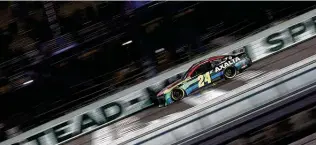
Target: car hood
170, 87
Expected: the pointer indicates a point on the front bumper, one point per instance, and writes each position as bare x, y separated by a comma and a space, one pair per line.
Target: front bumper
161, 101
164, 100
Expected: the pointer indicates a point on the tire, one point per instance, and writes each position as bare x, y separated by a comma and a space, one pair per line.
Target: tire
230, 72
177, 94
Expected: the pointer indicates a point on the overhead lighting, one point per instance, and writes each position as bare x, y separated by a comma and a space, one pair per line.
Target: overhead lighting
160, 50
28, 82
128, 42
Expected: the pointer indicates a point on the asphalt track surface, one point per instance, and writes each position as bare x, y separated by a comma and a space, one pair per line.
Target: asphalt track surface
308, 140
153, 115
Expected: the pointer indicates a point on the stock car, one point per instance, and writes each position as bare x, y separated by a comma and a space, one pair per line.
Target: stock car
204, 73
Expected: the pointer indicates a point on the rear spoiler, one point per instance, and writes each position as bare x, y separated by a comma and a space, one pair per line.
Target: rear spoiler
239, 51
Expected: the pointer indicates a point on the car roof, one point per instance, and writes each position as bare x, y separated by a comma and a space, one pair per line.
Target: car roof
196, 65
207, 60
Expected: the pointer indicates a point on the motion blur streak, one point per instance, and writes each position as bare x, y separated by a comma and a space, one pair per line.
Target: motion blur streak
285, 58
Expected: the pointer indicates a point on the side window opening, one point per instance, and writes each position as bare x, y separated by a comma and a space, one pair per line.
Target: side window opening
202, 69
214, 63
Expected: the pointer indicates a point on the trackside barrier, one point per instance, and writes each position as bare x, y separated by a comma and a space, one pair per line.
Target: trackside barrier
301, 99
138, 97
242, 102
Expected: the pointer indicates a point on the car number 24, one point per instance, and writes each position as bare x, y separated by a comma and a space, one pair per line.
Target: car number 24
204, 79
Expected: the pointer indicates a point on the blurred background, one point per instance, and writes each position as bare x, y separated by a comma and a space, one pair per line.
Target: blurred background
58, 56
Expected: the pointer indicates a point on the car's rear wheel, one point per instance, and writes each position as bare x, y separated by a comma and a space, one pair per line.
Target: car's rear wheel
177, 94
230, 72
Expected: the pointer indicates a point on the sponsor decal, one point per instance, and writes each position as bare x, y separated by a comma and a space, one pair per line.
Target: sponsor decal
226, 64
293, 34
281, 40
86, 122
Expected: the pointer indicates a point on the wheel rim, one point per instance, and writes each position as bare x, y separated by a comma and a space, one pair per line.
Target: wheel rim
177, 94
230, 73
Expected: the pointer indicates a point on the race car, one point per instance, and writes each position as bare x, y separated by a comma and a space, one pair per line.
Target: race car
204, 73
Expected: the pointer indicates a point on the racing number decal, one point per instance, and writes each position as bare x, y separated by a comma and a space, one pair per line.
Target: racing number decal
201, 81
206, 78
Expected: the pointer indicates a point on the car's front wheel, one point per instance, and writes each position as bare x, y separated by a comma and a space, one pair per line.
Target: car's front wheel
177, 94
